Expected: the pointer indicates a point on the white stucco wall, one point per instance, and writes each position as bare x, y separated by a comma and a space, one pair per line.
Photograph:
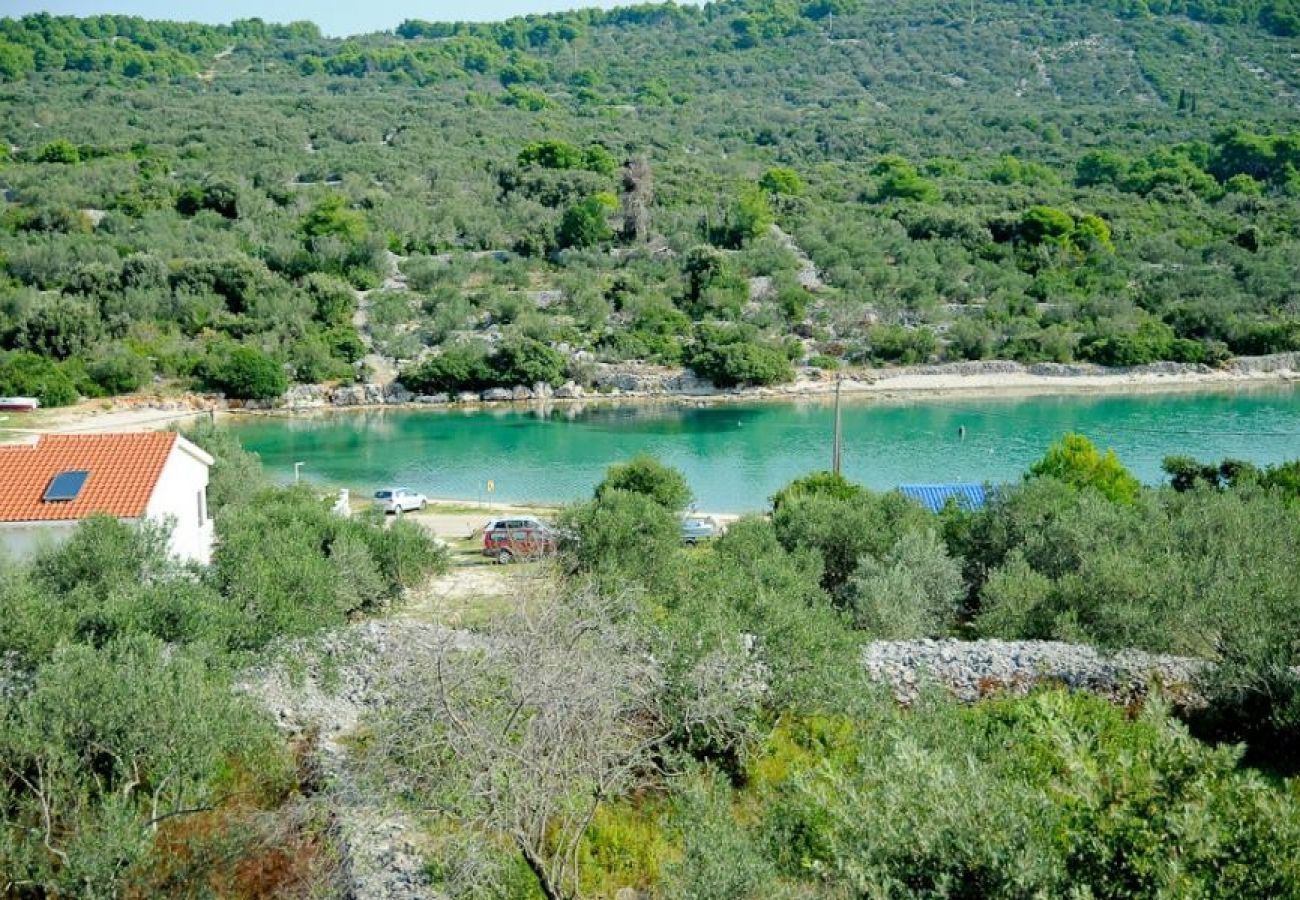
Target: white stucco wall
22, 540
176, 498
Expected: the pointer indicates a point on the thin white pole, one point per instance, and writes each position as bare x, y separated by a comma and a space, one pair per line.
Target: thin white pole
837, 450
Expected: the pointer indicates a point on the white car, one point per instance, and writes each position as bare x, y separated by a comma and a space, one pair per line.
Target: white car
399, 500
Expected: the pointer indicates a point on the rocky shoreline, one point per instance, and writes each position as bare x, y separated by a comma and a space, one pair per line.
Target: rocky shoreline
646, 382
639, 383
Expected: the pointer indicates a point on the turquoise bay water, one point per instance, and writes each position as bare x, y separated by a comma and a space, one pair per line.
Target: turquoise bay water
737, 455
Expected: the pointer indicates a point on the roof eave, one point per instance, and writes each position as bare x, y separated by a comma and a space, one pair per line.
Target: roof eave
195, 450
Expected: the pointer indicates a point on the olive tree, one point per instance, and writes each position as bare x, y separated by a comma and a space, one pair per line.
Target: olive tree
522, 738
913, 590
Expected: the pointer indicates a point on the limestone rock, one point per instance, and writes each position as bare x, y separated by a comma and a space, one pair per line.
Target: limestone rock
349, 395
971, 670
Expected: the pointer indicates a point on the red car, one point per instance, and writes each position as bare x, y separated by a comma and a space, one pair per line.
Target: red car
519, 538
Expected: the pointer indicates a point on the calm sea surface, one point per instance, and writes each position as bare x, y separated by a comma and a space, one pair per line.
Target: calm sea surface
736, 456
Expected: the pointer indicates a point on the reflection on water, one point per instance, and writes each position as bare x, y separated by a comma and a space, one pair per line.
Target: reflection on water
737, 455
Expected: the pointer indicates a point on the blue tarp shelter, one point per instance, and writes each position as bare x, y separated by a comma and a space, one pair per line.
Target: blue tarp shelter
934, 496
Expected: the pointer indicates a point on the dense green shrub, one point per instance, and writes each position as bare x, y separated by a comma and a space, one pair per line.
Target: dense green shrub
331, 217
749, 216
622, 537
246, 373
1044, 223
1077, 462
109, 740
904, 807
898, 179
60, 151
583, 224
58, 329
731, 356
1149, 342
120, 371
527, 361
913, 590
320, 569
845, 529
824, 484
646, 475
523, 360
553, 154
25, 374
216, 196
897, 344
457, 368
782, 181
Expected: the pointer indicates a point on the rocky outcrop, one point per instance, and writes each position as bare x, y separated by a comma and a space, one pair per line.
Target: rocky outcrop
809, 278
972, 670
1273, 364
1265, 365
975, 368
329, 685
634, 378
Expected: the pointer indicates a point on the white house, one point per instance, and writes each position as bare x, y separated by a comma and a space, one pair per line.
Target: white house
48, 486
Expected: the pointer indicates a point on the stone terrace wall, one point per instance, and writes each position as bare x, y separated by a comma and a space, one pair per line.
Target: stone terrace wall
971, 670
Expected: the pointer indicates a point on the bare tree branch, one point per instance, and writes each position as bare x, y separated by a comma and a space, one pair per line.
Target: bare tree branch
527, 739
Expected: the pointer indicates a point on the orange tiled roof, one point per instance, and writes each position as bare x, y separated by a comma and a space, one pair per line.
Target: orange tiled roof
123, 471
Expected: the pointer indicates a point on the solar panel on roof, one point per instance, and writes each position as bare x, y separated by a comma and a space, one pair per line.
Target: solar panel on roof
66, 486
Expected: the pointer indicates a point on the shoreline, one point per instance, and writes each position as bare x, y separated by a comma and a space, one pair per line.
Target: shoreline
952, 381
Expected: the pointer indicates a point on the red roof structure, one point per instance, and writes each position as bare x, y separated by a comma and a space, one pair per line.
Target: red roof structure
122, 471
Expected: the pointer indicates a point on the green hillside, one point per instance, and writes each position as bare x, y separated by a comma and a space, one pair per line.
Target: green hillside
1111, 182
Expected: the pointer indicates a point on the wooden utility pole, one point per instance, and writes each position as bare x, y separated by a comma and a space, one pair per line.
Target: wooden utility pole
837, 448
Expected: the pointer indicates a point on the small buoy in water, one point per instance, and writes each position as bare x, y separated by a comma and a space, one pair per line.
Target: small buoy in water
961, 432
